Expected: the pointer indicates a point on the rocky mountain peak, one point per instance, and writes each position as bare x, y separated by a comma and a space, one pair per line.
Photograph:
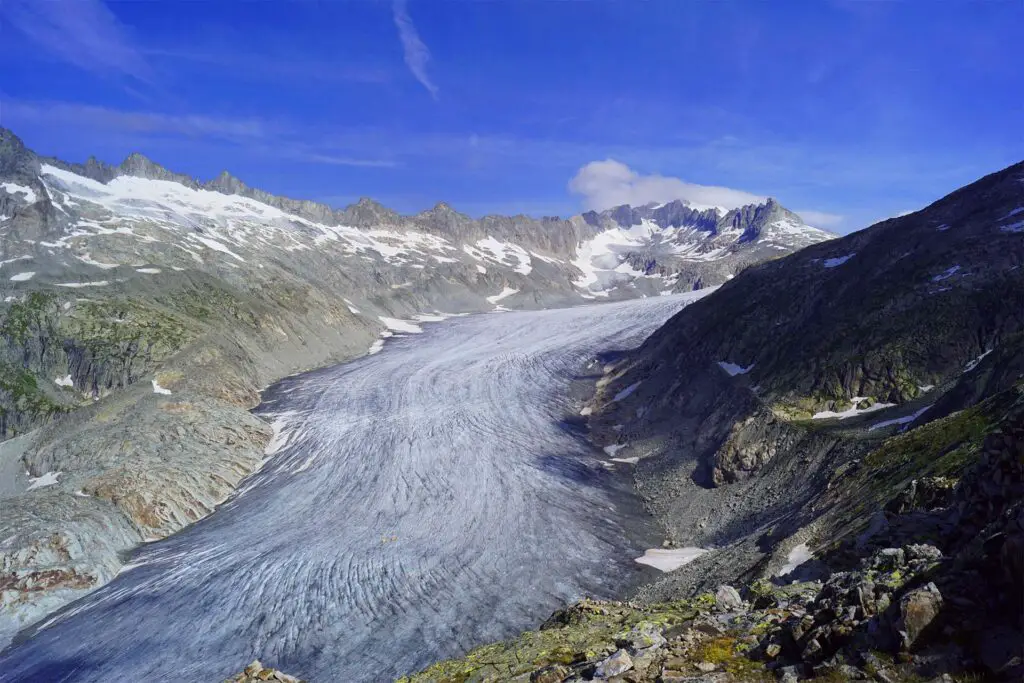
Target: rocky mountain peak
13, 155
227, 183
367, 213
141, 166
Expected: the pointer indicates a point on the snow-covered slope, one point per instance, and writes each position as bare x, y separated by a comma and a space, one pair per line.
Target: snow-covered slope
675, 247
72, 223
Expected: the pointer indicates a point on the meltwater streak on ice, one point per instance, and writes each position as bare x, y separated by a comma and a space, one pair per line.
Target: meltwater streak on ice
422, 501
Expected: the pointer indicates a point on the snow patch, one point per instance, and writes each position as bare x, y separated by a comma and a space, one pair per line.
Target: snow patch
48, 479
14, 188
87, 259
668, 559
148, 271
97, 283
16, 258
65, 381
900, 420
949, 272
22, 277
851, 411
733, 369
503, 294
400, 325
626, 392
376, 347
629, 461
797, 556
1017, 227
837, 261
614, 448
157, 389
974, 363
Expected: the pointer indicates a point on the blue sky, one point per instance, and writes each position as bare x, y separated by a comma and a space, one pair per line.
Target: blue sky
848, 112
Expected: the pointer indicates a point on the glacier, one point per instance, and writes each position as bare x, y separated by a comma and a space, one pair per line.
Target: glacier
414, 503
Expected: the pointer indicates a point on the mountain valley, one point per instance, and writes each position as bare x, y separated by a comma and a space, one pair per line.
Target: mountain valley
817, 440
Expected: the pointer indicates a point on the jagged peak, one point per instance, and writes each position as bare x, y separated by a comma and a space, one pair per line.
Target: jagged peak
139, 165
227, 183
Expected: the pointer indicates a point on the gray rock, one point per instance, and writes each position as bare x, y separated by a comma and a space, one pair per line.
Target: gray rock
918, 609
728, 598
614, 665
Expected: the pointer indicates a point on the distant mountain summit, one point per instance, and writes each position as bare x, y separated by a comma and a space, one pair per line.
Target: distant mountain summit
620, 253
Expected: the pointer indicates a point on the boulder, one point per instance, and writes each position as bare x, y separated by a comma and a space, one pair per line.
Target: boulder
728, 598
618, 663
918, 609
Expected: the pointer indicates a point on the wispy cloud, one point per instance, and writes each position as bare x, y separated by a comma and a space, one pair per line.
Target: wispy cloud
333, 160
84, 33
608, 183
87, 116
821, 219
269, 138
416, 52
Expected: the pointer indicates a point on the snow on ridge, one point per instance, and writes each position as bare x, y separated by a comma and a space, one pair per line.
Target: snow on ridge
490, 249
229, 222
733, 369
15, 188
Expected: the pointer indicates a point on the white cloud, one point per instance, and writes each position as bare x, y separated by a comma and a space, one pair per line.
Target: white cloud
416, 52
821, 219
608, 183
84, 33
